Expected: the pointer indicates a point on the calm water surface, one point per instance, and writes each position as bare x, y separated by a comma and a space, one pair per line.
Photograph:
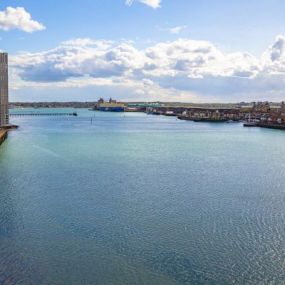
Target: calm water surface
138, 199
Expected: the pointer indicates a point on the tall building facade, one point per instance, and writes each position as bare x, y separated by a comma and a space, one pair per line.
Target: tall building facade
4, 101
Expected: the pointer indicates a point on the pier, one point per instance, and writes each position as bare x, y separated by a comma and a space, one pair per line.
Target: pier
42, 114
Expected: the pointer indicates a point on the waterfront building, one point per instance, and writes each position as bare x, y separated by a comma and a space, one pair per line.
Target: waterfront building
112, 101
101, 101
4, 111
261, 107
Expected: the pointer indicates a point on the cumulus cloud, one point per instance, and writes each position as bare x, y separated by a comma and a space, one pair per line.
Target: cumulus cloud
78, 58
151, 3
18, 18
182, 66
273, 58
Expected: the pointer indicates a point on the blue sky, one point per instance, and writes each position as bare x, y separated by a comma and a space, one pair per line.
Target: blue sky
146, 50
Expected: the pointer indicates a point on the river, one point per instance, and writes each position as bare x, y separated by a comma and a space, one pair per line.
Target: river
141, 199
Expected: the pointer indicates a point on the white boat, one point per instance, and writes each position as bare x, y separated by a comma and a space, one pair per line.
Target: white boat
250, 123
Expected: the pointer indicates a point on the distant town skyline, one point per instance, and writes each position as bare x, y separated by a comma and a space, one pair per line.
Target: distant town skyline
144, 50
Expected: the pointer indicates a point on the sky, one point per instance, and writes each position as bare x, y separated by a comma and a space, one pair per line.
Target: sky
144, 50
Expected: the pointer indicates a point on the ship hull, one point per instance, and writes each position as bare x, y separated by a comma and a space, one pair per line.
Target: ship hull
111, 109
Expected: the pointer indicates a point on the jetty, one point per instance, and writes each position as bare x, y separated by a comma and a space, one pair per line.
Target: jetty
42, 114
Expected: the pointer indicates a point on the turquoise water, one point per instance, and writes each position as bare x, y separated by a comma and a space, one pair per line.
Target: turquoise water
140, 199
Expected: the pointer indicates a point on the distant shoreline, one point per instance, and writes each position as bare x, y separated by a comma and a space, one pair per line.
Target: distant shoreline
91, 104
264, 115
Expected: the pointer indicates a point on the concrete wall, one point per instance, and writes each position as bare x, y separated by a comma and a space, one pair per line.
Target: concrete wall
3, 136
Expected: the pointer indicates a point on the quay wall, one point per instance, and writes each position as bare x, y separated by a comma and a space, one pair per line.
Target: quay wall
271, 126
3, 136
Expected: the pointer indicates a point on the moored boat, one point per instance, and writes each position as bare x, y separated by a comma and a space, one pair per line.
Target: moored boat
250, 124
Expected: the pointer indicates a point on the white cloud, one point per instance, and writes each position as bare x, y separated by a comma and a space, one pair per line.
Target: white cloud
177, 30
18, 18
152, 3
98, 59
182, 66
273, 58
83, 42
